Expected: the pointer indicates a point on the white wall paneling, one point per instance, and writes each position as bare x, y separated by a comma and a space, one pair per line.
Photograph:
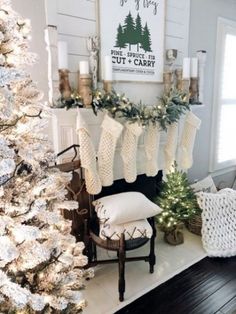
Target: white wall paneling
74, 61
179, 4
64, 131
51, 11
74, 26
76, 21
77, 45
83, 9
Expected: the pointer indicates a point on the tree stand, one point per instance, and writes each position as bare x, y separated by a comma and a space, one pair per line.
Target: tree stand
174, 237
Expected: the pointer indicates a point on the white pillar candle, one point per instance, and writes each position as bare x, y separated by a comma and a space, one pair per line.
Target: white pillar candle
186, 68
62, 55
194, 67
84, 67
107, 69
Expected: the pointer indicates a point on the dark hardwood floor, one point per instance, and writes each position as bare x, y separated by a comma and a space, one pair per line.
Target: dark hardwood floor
205, 288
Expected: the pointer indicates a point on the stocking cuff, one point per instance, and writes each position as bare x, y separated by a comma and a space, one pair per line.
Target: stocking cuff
81, 124
134, 128
192, 119
112, 126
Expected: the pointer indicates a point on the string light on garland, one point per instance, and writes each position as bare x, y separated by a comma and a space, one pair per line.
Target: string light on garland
169, 109
177, 199
74, 101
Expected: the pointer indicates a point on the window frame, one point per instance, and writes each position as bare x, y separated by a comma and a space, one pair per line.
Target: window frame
224, 27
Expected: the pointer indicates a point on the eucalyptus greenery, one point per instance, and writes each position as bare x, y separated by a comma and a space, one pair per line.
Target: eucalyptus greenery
74, 101
168, 110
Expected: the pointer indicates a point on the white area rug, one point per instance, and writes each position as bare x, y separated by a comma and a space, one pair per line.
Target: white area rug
102, 291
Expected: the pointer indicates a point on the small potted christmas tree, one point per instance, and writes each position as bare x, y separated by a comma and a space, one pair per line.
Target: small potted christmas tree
179, 204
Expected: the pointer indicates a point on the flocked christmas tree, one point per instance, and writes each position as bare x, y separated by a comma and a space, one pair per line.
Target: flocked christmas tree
177, 199
40, 263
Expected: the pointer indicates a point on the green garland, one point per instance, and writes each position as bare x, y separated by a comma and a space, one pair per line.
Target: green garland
74, 101
169, 109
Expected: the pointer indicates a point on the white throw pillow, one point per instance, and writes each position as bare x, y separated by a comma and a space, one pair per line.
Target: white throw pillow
125, 207
131, 230
205, 185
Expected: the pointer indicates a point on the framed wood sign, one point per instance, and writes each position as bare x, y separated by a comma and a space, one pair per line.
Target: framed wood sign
132, 33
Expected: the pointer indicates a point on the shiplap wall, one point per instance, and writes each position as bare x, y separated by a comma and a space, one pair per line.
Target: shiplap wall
76, 20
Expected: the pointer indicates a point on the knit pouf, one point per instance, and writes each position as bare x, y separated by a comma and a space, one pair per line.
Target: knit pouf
218, 222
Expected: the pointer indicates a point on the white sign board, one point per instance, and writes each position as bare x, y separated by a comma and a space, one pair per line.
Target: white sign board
132, 33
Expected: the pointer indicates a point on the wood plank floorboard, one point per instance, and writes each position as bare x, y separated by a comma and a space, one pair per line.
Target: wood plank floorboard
230, 307
208, 287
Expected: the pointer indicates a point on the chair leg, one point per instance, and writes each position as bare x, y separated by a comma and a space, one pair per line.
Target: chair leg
152, 257
87, 241
90, 246
121, 255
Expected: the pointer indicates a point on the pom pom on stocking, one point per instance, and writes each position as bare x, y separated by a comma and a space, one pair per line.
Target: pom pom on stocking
88, 157
129, 150
111, 131
152, 142
192, 124
171, 146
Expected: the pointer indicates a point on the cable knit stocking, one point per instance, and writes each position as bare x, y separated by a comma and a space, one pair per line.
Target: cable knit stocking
111, 131
88, 157
129, 150
192, 123
152, 141
171, 146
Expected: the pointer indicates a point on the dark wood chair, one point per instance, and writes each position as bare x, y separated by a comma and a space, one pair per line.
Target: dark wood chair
121, 247
85, 223
147, 186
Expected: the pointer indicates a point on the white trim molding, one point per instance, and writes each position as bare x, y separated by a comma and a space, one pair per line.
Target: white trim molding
224, 27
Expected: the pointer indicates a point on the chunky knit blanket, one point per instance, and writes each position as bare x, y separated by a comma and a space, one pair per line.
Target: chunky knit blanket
218, 222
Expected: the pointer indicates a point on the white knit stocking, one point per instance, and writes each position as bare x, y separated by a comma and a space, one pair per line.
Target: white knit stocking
152, 141
111, 131
88, 157
192, 123
129, 150
171, 146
